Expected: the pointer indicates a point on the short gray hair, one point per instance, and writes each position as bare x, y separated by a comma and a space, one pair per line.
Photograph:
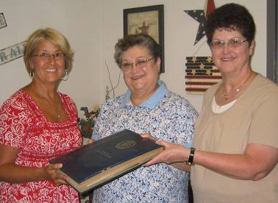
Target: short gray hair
130, 41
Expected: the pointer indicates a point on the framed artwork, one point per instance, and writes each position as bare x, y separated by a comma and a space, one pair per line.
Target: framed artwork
3, 22
148, 20
272, 40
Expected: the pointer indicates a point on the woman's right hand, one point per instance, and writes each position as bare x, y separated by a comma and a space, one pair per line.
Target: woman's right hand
172, 153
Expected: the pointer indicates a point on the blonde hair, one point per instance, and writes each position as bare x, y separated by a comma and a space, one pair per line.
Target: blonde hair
54, 37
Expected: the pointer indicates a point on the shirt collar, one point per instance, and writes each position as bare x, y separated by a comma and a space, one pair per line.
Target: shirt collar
150, 102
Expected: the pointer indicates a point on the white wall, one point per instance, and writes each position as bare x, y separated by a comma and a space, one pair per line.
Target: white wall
94, 26
180, 32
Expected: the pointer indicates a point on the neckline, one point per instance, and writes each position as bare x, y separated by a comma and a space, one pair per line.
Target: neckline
238, 89
33, 102
221, 109
238, 99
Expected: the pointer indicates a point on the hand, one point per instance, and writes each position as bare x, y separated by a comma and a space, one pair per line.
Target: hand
51, 173
87, 141
148, 135
173, 153
90, 141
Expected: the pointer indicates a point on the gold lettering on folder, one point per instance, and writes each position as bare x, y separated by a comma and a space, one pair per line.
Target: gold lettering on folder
104, 153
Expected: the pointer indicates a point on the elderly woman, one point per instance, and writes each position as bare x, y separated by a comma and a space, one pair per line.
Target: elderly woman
39, 123
148, 106
236, 133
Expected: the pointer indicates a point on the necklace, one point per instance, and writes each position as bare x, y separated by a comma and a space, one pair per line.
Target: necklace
58, 112
226, 95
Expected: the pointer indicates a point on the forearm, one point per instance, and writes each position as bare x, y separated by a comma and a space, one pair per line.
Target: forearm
13, 173
182, 166
240, 166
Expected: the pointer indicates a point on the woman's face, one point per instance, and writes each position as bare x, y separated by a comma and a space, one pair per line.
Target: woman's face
140, 70
230, 52
48, 62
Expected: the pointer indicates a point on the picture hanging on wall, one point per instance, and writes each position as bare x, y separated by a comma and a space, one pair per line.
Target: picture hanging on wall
200, 74
3, 22
148, 20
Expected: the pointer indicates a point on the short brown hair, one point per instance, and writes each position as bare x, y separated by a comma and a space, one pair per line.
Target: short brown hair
231, 16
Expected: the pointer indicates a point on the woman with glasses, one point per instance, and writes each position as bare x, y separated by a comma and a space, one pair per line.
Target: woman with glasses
147, 106
39, 123
235, 147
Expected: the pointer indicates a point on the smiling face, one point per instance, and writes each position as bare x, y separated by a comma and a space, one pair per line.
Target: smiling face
229, 59
46, 67
141, 80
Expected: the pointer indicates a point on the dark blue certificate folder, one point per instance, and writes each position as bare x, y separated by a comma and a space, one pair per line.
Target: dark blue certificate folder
106, 159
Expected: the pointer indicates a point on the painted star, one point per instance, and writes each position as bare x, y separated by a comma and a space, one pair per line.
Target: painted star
144, 28
198, 15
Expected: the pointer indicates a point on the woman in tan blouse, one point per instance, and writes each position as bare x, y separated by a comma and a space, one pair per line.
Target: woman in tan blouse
235, 148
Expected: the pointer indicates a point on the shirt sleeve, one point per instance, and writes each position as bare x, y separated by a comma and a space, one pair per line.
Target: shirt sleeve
264, 126
13, 118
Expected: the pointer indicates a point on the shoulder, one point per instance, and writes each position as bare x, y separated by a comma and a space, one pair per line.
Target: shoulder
209, 94
117, 101
68, 102
263, 82
67, 99
263, 88
175, 101
212, 90
16, 101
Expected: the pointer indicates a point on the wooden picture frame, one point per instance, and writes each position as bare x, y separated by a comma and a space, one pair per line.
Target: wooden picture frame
149, 20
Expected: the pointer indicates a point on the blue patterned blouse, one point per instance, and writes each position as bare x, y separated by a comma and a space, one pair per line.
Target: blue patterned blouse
166, 116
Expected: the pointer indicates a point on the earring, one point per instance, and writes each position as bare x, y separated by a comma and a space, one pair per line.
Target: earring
31, 73
65, 77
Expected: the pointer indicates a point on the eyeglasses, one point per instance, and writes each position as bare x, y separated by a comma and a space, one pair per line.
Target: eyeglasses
46, 56
233, 43
140, 63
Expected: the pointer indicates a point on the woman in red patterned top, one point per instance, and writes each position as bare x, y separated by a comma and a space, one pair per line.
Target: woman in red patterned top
38, 123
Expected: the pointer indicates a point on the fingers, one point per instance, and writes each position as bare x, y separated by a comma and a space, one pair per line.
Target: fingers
153, 161
87, 141
90, 141
172, 153
163, 144
54, 166
60, 181
148, 135
54, 175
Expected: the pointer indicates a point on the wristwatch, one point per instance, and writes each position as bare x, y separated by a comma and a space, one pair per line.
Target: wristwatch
189, 162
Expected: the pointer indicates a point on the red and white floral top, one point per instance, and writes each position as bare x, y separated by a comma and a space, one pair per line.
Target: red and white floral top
24, 126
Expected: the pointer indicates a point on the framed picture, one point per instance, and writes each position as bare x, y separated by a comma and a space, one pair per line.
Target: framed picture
148, 20
272, 40
2, 21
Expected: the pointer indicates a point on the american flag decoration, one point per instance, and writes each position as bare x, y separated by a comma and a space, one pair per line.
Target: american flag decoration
200, 70
201, 17
200, 74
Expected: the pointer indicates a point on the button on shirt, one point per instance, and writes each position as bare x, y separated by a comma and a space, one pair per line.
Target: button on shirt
166, 116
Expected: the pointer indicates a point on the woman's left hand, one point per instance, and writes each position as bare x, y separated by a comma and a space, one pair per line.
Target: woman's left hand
51, 173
